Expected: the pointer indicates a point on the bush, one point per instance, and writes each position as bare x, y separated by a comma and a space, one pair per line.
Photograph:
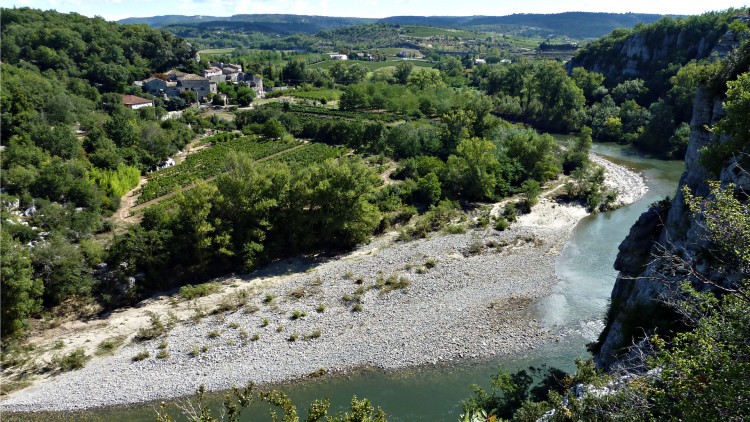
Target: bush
74, 360
141, 356
501, 224
191, 292
155, 329
109, 345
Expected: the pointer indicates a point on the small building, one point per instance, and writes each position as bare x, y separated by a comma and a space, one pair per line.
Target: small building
198, 84
336, 56
480, 61
133, 102
212, 71
256, 83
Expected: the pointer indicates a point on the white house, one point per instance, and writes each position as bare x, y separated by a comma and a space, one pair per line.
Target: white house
134, 102
336, 56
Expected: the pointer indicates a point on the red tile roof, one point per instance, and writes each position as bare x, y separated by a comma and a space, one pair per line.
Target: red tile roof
129, 100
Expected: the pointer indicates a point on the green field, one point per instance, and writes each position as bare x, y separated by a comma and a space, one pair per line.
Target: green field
316, 94
216, 51
429, 31
371, 66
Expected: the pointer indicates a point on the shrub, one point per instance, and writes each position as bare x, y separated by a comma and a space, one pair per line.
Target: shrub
476, 247
109, 345
313, 335
155, 329
298, 315
320, 308
501, 224
456, 229
191, 292
293, 337
357, 307
214, 334
510, 213
255, 337
298, 293
141, 356
74, 360
269, 298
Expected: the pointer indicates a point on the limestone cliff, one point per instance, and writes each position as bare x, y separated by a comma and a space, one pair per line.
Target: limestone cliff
666, 228
646, 51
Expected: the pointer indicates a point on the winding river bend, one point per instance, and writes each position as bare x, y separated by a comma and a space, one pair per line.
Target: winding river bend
575, 308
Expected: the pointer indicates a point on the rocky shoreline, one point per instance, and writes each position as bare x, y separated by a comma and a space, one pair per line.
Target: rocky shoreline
389, 305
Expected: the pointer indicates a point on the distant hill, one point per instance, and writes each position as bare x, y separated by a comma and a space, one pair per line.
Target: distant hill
578, 25
276, 24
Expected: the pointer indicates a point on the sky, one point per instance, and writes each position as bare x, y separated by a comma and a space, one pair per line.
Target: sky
119, 9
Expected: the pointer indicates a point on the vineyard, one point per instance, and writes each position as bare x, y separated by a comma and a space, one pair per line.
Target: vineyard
206, 164
308, 154
174, 178
300, 109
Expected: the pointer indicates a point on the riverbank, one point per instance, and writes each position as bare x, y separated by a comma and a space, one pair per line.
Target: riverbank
472, 303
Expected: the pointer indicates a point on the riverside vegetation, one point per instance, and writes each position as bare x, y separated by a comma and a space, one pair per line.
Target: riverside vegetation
304, 179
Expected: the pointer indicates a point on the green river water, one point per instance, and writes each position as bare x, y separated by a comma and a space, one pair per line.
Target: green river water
577, 305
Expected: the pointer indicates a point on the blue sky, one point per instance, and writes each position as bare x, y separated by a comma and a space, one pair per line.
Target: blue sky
118, 9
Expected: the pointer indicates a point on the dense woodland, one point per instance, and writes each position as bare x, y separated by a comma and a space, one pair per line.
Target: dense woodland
304, 176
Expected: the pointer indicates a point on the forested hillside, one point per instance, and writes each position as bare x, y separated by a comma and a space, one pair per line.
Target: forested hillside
660, 64
572, 24
71, 149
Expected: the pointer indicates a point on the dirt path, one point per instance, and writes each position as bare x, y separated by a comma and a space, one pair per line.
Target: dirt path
127, 202
386, 175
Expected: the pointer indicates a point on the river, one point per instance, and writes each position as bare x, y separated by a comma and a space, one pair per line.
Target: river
576, 307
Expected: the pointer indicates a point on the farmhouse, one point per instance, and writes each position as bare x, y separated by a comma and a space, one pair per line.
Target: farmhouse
134, 102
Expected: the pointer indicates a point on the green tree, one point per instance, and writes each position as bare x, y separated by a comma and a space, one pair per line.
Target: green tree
21, 293
402, 72
473, 171
62, 268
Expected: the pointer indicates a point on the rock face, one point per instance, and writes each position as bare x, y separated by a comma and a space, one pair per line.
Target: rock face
647, 50
670, 228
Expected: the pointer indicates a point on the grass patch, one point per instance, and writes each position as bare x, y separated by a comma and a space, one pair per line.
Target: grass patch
269, 298
357, 307
191, 292
141, 356
456, 229
298, 314
320, 308
154, 329
298, 293
214, 333
315, 334
476, 247
232, 302
392, 282
293, 337
108, 346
